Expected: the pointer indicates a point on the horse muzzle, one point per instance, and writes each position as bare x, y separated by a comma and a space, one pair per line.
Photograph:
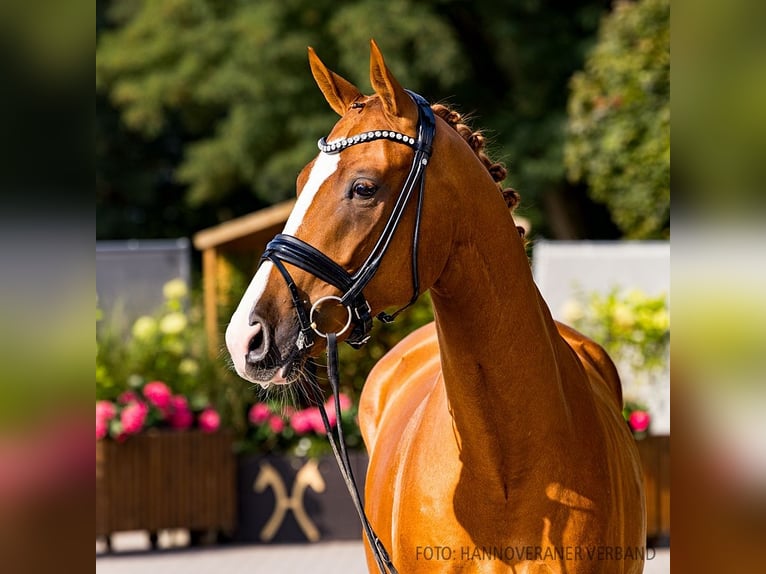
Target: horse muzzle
258, 355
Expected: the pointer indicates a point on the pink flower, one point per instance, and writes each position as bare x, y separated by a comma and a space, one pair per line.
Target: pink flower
158, 394
315, 418
181, 420
105, 411
181, 416
179, 403
344, 400
209, 420
133, 417
287, 411
259, 413
639, 421
332, 416
276, 424
102, 428
127, 397
300, 422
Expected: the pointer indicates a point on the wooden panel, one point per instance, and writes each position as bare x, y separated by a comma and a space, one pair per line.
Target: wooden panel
655, 459
210, 298
166, 479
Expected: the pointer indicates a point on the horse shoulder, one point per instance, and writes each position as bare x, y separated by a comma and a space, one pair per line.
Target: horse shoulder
397, 370
597, 363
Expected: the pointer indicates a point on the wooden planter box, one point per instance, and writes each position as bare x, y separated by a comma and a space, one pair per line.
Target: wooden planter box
655, 459
293, 499
166, 479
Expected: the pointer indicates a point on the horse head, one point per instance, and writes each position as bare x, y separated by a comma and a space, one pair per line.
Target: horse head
346, 198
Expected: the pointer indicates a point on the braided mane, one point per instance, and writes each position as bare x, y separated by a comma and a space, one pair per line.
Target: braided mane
478, 142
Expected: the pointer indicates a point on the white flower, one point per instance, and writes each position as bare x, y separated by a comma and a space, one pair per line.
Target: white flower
144, 328
623, 316
188, 367
174, 347
175, 289
173, 323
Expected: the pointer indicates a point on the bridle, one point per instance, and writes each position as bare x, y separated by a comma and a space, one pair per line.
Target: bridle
289, 249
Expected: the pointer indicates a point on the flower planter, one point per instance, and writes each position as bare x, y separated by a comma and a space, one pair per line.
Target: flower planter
295, 499
166, 479
655, 460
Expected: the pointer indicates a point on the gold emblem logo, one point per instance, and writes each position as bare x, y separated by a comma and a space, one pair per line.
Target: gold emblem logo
308, 477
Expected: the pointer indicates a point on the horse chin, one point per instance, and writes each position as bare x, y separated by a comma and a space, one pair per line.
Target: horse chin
291, 370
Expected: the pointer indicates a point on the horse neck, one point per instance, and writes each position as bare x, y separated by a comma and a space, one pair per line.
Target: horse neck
501, 354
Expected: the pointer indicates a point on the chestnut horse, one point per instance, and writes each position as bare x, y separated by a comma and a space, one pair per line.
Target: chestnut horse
495, 434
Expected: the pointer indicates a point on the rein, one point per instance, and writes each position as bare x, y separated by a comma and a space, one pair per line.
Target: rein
344, 463
289, 249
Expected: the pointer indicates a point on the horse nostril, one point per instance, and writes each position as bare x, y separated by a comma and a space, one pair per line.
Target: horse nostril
258, 346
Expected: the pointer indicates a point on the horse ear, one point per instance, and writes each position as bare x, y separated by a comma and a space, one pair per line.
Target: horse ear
338, 92
395, 100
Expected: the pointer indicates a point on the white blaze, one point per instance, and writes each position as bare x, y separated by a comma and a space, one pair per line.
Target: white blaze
240, 332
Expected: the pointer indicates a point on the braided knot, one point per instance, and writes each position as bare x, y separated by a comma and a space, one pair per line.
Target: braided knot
478, 142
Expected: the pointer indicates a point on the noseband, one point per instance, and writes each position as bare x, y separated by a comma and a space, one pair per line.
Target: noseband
289, 249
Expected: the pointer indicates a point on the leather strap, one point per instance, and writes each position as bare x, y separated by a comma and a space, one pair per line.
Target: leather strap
385, 565
306, 337
299, 253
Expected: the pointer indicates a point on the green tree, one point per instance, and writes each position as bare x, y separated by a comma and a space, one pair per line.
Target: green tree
619, 119
222, 95
235, 76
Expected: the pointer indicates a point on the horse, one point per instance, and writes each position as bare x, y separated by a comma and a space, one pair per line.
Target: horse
495, 435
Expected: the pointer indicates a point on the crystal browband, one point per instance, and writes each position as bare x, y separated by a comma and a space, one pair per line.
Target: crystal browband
342, 143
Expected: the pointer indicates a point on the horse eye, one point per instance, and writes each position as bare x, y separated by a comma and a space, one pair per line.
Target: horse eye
364, 189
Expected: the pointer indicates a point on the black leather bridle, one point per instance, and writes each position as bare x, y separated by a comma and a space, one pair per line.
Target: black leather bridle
289, 249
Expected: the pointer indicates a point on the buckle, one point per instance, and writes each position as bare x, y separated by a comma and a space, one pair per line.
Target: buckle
366, 309
304, 340
358, 343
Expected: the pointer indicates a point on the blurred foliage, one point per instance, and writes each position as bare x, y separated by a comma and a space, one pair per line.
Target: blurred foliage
51, 38
634, 329
222, 97
719, 127
170, 346
235, 76
619, 119
723, 336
